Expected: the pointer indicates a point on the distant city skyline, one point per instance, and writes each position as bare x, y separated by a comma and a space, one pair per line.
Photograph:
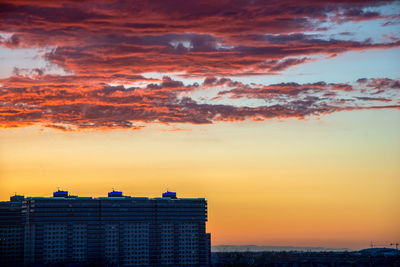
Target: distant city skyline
284, 115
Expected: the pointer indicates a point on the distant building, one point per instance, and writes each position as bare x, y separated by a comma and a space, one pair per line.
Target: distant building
115, 230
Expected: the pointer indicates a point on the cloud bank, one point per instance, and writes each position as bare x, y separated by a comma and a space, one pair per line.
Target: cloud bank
107, 47
69, 104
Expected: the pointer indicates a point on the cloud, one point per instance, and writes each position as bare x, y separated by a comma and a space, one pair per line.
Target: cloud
108, 49
199, 38
52, 102
199, 55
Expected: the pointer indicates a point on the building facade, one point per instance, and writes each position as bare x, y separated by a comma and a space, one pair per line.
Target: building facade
116, 230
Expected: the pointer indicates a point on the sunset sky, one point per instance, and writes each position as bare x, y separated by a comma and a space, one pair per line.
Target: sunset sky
284, 115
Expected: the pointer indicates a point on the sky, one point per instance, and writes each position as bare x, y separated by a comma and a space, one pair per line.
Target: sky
283, 114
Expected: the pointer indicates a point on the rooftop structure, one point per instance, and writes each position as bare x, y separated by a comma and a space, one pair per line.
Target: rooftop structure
59, 193
169, 194
115, 194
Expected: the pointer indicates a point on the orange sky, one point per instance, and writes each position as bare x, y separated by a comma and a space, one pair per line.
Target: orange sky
332, 182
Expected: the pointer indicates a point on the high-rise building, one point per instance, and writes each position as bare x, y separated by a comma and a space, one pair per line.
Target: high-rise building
11, 232
116, 230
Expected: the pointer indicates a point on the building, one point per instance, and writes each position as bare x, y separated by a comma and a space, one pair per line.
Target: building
11, 232
115, 230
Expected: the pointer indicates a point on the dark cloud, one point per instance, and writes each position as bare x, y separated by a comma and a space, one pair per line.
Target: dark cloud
200, 38
362, 80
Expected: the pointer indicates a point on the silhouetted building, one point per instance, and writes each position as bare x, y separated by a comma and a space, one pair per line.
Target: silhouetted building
11, 232
118, 229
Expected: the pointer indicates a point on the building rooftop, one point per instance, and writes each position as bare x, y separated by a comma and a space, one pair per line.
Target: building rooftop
113, 195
